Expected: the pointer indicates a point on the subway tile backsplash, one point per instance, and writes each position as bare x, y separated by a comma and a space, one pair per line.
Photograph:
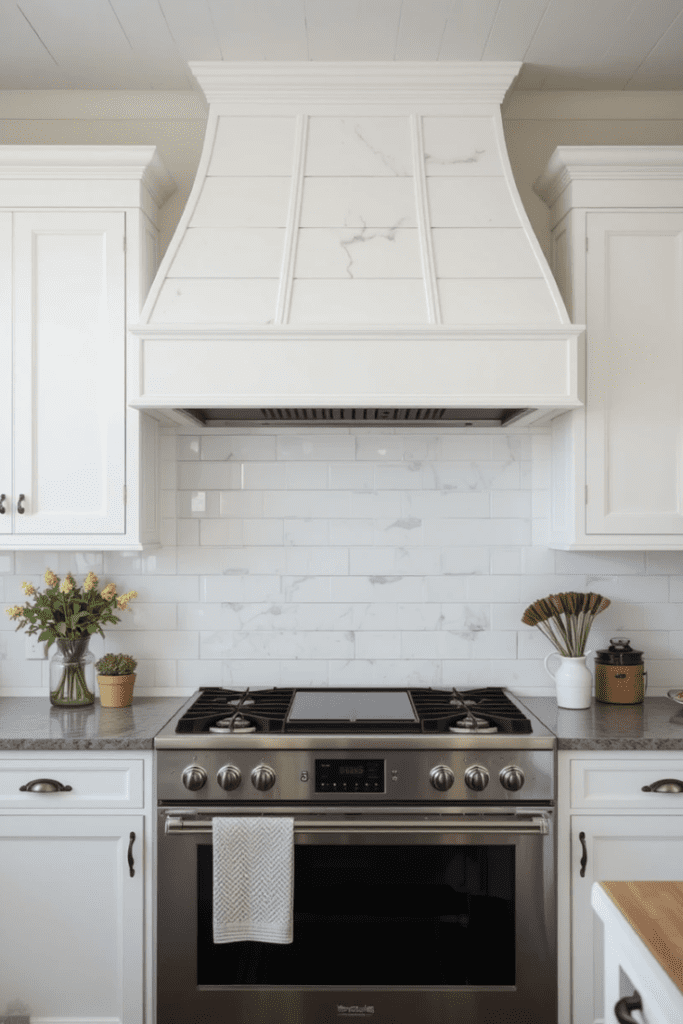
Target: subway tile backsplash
354, 557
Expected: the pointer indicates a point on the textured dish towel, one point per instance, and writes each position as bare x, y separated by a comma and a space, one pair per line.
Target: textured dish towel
253, 879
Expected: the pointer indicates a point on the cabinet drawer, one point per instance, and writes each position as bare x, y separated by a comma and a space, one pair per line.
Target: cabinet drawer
96, 783
616, 785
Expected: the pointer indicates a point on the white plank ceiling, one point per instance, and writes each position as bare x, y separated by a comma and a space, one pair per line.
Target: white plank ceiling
145, 44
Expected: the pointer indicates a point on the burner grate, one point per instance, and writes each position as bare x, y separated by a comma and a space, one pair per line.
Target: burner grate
435, 710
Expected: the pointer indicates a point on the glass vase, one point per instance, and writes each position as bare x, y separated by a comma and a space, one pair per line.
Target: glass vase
72, 674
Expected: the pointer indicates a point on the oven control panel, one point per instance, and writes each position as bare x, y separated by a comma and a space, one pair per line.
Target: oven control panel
349, 775
463, 776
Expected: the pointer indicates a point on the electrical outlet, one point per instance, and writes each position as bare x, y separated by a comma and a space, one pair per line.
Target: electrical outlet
35, 651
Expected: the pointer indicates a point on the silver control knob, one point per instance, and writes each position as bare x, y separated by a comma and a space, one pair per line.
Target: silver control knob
194, 777
512, 778
263, 777
476, 778
441, 777
229, 777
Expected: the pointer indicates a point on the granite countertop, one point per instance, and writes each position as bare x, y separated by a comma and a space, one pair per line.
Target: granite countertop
656, 724
31, 723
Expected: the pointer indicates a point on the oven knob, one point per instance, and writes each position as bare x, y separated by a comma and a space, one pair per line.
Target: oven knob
512, 778
441, 777
194, 777
476, 778
229, 777
263, 777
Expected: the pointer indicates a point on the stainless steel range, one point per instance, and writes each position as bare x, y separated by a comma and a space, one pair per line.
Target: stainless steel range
424, 883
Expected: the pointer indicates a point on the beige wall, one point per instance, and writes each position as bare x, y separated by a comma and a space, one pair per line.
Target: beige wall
535, 123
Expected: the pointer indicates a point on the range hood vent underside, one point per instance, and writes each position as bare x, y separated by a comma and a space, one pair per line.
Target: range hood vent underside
360, 416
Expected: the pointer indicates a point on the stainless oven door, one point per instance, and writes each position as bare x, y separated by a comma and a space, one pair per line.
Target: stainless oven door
398, 917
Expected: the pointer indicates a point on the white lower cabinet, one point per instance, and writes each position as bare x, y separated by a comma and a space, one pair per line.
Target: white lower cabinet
75, 890
609, 829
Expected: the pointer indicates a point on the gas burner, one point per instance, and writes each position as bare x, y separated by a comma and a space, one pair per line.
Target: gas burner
242, 702
236, 725
473, 724
458, 703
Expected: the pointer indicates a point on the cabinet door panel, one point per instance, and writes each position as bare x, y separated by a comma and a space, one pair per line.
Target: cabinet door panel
69, 372
6, 371
71, 941
620, 848
634, 416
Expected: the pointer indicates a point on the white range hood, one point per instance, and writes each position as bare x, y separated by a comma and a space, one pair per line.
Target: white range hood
355, 248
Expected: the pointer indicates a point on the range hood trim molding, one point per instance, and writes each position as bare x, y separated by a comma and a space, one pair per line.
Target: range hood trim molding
384, 83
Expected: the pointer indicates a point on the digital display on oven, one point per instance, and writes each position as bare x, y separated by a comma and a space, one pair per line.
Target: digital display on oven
334, 775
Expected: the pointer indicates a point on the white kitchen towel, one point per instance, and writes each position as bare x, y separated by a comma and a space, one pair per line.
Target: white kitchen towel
253, 879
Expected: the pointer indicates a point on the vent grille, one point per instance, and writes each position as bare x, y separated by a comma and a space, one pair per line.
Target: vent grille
365, 416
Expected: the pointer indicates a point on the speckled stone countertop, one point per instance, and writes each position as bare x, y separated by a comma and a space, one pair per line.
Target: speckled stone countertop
656, 724
31, 723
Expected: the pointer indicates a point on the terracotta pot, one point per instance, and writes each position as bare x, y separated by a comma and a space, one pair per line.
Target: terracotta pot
116, 691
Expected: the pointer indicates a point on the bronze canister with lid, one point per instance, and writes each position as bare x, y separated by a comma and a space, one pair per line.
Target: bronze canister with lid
619, 674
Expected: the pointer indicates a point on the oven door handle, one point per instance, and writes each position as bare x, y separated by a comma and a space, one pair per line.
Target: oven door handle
518, 825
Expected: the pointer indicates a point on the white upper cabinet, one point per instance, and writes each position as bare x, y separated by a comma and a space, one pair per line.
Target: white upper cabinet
77, 253
617, 222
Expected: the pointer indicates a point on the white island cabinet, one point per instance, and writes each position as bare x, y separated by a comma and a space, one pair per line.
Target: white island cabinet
78, 250
643, 927
75, 886
617, 236
620, 816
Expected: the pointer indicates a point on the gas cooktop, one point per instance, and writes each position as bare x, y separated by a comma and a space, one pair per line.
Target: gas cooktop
280, 717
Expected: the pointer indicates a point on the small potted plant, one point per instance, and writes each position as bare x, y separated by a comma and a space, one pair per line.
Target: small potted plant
116, 678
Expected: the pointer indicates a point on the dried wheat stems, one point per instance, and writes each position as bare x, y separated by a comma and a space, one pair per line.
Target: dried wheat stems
566, 619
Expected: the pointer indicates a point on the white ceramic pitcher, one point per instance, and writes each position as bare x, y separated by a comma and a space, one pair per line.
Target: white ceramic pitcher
573, 681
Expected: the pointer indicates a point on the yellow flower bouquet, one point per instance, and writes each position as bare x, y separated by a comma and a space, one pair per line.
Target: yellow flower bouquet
69, 615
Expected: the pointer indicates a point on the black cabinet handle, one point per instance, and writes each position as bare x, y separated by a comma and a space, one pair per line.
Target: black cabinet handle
20, 504
130, 854
622, 1009
664, 786
2, 504
44, 786
584, 855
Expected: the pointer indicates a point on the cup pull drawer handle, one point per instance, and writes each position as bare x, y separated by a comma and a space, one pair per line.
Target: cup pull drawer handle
664, 786
44, 786
622, 1009
20, 504
131, 862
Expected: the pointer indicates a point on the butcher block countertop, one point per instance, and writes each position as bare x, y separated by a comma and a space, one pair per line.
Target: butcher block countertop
655, 912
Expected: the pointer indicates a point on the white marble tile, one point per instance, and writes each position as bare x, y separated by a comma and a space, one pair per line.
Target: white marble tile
307, 532
316, 561
187, 532
256, 532
468, 618
217, 532
377, 588
241, 503
493, 588
351, 476
315, 504
380, 644
215, 476
406, 531
511, 504
303, 673
309, 476
446, 505
359, 146
308, 588
336, 202
146, 615
251, 145
264, 476
276, 644
506, 561
315, 447
164, 644
603, 563
389, 672
379, 447
188, 447
258, 447
398, 476
459, 644
191, 504
389, 561
351, 532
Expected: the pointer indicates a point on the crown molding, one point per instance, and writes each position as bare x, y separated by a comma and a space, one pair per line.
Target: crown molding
366, 82
602, 163
122, 163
